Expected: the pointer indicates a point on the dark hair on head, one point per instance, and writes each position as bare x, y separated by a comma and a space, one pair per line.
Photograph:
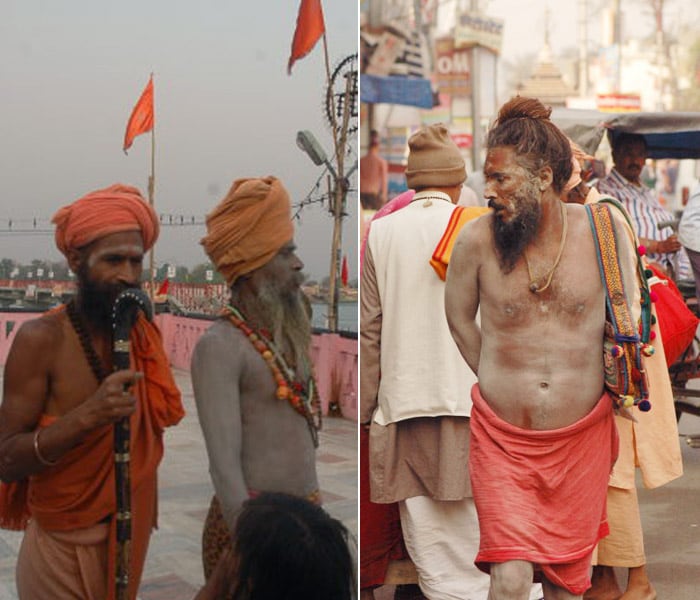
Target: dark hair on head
374, 138
524, 124
617, 140
287, 548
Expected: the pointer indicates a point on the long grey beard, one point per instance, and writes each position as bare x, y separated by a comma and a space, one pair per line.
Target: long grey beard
285, 315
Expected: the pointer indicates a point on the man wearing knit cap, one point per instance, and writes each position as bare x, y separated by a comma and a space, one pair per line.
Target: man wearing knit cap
414, 385
251, 371
61, 400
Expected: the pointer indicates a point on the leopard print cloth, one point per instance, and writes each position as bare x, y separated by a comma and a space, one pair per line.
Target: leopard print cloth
216, 537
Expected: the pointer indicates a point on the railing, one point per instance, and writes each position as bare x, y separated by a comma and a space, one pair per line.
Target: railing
334, 356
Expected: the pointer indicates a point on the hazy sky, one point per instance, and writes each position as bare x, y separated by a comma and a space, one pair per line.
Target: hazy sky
71, 71
524, 21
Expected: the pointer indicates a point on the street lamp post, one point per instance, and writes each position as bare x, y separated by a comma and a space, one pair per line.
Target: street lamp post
308, 143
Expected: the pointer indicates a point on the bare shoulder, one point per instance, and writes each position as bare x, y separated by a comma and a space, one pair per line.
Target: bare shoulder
471, 249
474, 236
221, 343
38, 338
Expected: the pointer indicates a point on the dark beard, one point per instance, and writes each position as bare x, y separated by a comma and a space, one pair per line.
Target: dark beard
512, 238
97, 299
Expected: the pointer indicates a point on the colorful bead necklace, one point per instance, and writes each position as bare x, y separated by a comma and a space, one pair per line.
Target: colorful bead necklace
303, 398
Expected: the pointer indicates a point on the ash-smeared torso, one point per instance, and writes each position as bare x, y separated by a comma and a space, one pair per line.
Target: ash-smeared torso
541, 353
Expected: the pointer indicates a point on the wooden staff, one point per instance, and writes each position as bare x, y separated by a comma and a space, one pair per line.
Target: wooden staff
124, 315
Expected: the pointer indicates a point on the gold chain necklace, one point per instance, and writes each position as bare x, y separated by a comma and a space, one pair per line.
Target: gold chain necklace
534, 288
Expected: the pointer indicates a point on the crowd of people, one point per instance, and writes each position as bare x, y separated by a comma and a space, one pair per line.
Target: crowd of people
551, 458
493, 459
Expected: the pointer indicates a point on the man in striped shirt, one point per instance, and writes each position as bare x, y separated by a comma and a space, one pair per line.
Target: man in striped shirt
663, 248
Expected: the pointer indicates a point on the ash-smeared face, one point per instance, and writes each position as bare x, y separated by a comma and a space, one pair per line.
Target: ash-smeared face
514, 194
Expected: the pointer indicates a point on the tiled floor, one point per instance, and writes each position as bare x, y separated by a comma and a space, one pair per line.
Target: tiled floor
173, 567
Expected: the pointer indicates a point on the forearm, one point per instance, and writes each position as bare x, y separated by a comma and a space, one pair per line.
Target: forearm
216, 387
369, 379
651, 246
467, 336
26, 453
230, 487
370, 338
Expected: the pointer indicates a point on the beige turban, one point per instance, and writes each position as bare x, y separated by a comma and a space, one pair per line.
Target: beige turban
103, 212
248, 227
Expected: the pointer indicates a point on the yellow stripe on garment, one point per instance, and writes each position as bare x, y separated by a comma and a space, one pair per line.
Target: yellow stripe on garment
443, 251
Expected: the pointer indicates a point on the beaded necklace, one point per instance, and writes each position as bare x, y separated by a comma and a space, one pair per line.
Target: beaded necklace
303, 398
93, 359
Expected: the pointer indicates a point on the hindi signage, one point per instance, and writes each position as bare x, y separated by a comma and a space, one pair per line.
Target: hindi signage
475, 29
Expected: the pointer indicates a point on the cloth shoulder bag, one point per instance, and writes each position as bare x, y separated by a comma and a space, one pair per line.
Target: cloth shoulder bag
624, 341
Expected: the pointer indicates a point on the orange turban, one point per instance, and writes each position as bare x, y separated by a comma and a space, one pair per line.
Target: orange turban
248, 227
103, 212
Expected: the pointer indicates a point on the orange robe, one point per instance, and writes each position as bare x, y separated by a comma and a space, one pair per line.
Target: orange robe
80, 490
540, 494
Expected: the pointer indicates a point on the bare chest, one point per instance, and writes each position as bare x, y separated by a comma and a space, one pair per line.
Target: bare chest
71, 378
573, 296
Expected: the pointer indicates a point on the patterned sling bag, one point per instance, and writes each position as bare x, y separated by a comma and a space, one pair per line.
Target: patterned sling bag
625, 342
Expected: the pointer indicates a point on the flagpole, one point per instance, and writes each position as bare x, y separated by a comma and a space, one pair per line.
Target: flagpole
330, 91
151, 200
336, 201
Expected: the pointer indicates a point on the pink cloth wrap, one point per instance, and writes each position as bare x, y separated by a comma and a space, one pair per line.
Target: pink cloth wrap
540, 494
248, 227
103, 212
393, 205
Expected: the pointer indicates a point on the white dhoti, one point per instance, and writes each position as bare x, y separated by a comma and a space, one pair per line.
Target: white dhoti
442, 538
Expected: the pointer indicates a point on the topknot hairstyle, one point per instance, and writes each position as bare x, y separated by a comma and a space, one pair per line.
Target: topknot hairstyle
524, 124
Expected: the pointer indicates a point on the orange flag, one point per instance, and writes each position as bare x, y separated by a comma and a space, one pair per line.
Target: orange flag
141, 119
344, 272
310, 27
163, 289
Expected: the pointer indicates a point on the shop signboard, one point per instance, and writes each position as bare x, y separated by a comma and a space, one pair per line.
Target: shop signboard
452, 68
476, 29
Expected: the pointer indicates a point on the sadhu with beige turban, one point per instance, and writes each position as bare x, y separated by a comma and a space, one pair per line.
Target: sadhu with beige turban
62, 491
248, 227
251, 370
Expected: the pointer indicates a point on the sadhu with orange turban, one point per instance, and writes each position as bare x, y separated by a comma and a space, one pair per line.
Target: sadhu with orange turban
102, 212
248, 227
62, 475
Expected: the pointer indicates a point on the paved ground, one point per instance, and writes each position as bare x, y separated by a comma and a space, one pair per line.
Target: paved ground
173, 568
671, 514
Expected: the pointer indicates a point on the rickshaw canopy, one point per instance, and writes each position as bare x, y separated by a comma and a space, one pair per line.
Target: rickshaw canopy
667, 134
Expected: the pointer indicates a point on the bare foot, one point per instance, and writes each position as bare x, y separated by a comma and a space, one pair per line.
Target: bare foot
603, 585
638, 585
646, 592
